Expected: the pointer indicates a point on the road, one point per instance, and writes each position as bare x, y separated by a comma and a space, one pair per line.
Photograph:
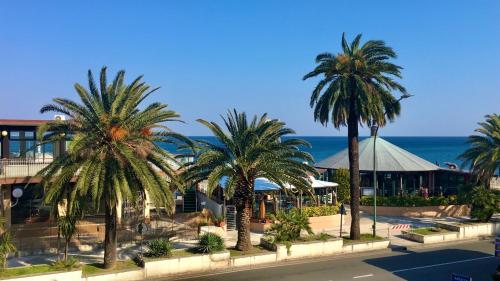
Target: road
474, 259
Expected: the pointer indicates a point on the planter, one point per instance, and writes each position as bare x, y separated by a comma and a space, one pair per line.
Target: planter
253, 260
194, 263
469, 229
117, 276
260, 226
55, 276
305, 249
325, 223
430, 238
365, 246
423, 212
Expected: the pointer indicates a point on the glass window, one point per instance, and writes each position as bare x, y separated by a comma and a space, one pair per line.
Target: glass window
14, 149
15, 135
30, 148
48, 151
29, 135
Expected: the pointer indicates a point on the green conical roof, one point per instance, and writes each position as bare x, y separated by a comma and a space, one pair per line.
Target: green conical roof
390, 158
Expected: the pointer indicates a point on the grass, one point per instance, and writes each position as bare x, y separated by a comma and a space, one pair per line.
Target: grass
316, 237
365, 237
28, 270
428, 230
98, 268
255, 250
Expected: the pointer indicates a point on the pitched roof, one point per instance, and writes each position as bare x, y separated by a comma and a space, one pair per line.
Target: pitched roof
390, 158
21, 122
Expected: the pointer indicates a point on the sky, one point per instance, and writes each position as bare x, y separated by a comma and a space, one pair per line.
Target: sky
211, 56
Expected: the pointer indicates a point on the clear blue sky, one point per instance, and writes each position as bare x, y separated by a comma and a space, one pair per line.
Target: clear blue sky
209, 56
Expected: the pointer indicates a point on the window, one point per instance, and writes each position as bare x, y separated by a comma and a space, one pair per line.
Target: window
14, 149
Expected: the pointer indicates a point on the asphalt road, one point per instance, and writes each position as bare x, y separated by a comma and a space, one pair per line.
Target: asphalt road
473, 259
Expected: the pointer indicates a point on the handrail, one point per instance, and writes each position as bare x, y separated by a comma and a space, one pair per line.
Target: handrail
22, 167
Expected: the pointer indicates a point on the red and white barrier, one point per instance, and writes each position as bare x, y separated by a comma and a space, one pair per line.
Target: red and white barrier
401, 226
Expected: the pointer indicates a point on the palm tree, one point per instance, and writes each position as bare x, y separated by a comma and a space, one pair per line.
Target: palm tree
114, 153
356, 87
483, 156
249, 150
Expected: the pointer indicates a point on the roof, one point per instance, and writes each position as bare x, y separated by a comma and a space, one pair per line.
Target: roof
22, 122
263, 184
390, 158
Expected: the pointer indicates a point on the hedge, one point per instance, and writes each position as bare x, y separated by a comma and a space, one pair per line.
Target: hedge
411, 201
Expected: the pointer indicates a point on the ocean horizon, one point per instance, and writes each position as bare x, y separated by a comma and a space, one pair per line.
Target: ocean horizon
435, 149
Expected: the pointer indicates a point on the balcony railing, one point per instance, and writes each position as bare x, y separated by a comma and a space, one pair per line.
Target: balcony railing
16, 168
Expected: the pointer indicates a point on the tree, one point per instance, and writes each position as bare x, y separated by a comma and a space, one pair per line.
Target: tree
356, 87
6, 245
249, 150
341, 177
483, 156
114, 152
484, 204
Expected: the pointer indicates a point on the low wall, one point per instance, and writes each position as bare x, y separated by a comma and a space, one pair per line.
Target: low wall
472, 229
305, 249
431, 238
324, 223
221, 231
130, 275
423, 212
253, 260
259, 227
365, 246
56, 276
194, 263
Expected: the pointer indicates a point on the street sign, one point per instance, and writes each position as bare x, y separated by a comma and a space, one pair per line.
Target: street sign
497, 247
460, 277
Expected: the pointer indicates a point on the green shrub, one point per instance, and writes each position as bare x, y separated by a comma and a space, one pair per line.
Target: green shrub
317, 211
211, 243
67, 264
410, 201
484, 204
287, 226
341, 177
159, 248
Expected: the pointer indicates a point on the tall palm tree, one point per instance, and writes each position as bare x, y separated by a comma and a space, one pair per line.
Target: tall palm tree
356, 87
114, 153
246, 151
483, 156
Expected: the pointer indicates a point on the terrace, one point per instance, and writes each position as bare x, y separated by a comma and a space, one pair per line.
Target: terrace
21, 168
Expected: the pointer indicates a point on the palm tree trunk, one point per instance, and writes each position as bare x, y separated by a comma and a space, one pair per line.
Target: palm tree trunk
243, 201
110, 241
352, 138
66, 246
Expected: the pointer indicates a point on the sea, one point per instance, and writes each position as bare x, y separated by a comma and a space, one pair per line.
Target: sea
437, 150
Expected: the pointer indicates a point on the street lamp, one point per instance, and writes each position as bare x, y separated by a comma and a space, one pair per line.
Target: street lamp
374, 131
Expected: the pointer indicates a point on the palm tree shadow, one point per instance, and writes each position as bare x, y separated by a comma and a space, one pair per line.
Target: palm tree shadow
437, 265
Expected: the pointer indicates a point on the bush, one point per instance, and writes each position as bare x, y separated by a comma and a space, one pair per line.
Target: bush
211, 243
341, 177
484, 204
68, 264
317, 211
159, 248
287, 226
410, 201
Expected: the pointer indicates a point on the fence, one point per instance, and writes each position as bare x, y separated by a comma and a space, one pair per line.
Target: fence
12, 168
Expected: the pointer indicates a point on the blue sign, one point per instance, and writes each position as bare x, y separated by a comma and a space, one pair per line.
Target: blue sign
460, 277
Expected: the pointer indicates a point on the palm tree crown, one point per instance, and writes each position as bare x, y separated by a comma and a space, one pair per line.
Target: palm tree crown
114, 152
361, 73
249, 150
484, 154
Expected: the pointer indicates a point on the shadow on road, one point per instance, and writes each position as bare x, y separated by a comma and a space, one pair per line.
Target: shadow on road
438, 264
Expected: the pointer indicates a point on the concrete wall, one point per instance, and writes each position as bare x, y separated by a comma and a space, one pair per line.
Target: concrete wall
253, 260
431, 238
56, 276
365, 246
472, 230
426, 211
305, 249
195, 263
130, 275
325, 223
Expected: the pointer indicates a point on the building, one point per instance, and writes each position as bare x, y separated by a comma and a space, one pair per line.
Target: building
399, 172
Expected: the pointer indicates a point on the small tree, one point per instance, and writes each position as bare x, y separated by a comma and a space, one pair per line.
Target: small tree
341, 177
6, 245
484, 204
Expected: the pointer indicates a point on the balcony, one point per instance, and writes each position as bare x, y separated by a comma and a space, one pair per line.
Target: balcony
22, 168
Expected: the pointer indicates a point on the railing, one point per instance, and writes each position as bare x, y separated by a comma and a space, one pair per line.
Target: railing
15, 168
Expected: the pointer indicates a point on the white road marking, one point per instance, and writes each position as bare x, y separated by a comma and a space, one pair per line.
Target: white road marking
362, 276
441, 264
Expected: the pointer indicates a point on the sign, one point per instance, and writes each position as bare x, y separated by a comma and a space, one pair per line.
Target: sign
497, 247
401, 226
460, 277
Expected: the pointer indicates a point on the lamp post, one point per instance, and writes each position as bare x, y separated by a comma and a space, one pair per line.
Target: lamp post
374, 131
